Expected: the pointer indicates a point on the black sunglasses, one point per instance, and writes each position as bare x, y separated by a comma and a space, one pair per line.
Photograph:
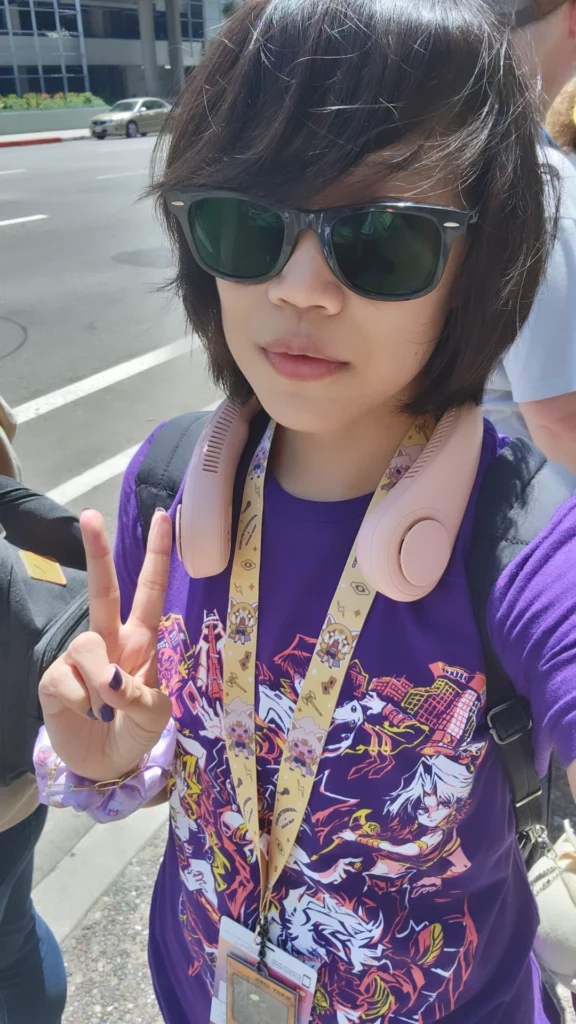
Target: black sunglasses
391, 250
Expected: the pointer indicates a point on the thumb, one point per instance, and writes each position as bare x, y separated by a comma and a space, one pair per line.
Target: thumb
148, 706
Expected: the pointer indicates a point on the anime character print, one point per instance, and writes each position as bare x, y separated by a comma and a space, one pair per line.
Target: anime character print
336, 643
403, 460
372, 895
258, 467
239, 727
304, 747
242, 619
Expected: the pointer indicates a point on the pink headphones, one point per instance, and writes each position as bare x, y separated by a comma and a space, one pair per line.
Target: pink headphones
404, 545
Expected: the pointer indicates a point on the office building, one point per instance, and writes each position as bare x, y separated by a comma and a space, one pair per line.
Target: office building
115, 49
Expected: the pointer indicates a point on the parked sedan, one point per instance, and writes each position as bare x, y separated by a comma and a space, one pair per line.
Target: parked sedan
131, 118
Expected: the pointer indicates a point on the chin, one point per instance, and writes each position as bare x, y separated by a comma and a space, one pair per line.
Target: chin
308, 413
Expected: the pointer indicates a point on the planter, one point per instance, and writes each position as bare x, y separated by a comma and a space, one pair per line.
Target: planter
17, 122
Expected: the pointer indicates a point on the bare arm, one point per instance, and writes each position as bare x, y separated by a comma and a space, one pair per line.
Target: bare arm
552, 426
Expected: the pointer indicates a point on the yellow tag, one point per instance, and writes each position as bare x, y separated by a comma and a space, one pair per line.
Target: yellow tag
40, 568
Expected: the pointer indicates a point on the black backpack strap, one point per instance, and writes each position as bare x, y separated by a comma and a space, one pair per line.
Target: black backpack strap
164, 465
519, 493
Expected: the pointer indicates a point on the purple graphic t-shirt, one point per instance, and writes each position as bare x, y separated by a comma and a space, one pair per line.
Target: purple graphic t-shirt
406, 890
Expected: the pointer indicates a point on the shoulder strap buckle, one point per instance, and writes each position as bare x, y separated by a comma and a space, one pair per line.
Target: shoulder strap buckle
509, 721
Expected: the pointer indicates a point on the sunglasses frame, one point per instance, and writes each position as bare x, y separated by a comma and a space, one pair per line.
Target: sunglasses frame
451, 222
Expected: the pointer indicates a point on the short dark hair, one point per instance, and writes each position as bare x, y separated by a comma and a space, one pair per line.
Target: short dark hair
291, 96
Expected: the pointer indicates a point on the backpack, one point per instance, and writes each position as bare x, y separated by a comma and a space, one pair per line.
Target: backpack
518, 494
43, 606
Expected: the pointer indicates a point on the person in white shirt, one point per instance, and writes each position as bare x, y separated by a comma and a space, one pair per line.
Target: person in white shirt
533, 392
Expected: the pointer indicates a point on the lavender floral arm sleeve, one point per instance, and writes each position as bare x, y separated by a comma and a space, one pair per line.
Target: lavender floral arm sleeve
532, 622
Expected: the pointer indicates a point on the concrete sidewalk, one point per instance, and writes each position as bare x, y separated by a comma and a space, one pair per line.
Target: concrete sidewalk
41, 138
93, 885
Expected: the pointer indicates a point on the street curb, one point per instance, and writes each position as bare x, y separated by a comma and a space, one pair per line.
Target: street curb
31, 142
4, 143
64, 897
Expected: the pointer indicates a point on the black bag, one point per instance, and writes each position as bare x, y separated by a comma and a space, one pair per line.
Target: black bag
518, 495
38, 618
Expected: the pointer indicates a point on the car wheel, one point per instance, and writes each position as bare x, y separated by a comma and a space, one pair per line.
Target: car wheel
99, 136
132, 130
143, 134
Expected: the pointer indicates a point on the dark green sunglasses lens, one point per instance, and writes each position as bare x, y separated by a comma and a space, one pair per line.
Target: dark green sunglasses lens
235, 237
387, 254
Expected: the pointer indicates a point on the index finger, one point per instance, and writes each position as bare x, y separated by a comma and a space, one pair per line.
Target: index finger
150, 593
103, 589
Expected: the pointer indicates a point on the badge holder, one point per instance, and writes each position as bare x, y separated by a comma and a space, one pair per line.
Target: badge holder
247, 991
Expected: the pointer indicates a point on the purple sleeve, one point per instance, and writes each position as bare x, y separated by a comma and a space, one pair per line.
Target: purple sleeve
129, 545
531, 616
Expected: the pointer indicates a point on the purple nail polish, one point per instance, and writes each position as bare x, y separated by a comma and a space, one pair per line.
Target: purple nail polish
107, 713
117, 680
91, 715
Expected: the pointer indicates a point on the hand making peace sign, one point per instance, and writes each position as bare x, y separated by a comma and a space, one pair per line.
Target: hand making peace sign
102, 706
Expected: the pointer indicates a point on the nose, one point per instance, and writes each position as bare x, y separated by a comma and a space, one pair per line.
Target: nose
307, 281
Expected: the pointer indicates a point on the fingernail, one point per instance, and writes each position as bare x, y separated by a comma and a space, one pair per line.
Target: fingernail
117, 680
91, 715
106, 713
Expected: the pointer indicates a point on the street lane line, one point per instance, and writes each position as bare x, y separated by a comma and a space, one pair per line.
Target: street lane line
99, 474
23, 220
87, 386
93, 477
122, 174
20, 170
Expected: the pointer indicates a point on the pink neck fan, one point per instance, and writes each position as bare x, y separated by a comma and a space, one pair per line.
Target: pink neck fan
404, 545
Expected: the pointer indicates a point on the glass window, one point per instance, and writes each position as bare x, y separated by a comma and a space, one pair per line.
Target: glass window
68, 21
7, 81
124, 106
160, 28
25, 19
121, 23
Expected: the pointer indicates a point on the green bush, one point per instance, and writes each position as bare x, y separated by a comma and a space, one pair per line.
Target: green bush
42, 101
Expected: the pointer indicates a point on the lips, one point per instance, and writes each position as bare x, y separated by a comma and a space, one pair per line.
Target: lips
299, 359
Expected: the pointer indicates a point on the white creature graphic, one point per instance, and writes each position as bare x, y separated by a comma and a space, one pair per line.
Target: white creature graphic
316, 927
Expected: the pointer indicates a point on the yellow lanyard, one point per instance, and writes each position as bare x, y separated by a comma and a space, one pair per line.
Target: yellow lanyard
321, 687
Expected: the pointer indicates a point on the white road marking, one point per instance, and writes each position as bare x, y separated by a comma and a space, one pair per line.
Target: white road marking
93, 477
23, 220
20, 170
70, 393
122, 174
99, 474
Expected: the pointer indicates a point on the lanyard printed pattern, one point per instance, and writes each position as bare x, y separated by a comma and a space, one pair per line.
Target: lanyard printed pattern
321, 687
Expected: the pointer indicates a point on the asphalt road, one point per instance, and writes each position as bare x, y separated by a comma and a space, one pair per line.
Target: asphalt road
80, 293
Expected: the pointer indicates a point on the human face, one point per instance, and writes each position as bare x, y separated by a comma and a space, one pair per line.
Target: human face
319, 356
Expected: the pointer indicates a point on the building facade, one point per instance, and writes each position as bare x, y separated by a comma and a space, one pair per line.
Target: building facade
113, 48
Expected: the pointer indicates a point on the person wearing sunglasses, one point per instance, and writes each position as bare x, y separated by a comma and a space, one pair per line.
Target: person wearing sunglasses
358, 212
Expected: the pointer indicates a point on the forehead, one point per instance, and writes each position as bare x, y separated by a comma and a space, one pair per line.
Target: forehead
386, 175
